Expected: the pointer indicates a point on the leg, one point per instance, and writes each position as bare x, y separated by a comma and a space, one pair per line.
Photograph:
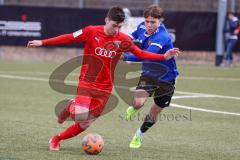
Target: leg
79, 126
71, 109
149, 121
140, 97
234, 42
86, 108
79, 112
65, 113
144, 89
70, 132
230, 46
151, 118
162, 99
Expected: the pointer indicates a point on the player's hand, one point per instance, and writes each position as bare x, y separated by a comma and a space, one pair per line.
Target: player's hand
34, 43
171, 53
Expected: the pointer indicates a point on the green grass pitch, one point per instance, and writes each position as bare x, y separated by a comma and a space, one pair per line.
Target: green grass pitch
28, 120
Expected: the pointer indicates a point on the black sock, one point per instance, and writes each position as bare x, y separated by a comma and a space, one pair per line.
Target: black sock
148, 123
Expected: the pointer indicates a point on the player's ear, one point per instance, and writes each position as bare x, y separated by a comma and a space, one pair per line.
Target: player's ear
106, 20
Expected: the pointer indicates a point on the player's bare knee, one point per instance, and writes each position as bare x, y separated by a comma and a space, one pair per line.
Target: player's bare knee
137, 104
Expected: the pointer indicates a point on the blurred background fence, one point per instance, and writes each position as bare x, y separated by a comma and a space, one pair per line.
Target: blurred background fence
192, 24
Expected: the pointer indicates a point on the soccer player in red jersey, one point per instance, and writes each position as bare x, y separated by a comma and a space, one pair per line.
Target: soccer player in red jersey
104, 46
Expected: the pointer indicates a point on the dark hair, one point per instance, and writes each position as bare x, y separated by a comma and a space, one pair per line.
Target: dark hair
116, 14
153, 11
230, 12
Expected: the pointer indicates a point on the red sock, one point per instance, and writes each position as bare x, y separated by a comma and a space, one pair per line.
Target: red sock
71, 131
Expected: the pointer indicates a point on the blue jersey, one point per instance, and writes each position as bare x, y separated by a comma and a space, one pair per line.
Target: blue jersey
159, 42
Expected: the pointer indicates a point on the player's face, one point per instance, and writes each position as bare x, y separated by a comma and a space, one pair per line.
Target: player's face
151, 24
111, 27
230, 16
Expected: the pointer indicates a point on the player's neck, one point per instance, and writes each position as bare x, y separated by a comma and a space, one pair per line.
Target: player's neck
106, 32
150, 33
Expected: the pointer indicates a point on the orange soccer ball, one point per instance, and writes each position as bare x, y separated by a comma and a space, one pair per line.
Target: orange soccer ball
92, 143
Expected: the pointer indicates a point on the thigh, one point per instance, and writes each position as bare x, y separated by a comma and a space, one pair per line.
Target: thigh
146, 85
141, 94
79, 108
164, 93
98, 104
145, 88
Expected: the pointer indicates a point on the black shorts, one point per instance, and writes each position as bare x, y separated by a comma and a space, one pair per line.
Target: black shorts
162, 91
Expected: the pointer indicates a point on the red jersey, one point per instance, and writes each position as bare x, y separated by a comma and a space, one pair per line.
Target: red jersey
101, 54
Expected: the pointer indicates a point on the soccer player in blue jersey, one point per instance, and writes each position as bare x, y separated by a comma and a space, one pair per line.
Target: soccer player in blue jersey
158, 77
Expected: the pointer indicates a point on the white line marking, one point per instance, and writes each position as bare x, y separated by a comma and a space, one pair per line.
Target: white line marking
124, 87
211, 95
204, 110
76, 74
26, 73
33, 78
209, 78
191, 94
36, 73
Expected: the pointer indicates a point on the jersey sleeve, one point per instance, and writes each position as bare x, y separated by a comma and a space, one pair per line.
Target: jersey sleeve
78, 36
131, 57
145, 54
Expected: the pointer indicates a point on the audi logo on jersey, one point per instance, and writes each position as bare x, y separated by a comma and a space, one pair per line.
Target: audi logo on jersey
105, 53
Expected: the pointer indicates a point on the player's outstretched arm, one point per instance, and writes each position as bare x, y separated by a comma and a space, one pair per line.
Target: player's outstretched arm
63, 39
153, 56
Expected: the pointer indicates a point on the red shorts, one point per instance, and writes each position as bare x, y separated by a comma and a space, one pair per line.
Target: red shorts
90, 99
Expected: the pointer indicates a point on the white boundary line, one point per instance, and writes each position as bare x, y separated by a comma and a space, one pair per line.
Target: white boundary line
33, 78
209, 78
190, 94
208, 95
76, 74
193, 96
34, 73
204, 110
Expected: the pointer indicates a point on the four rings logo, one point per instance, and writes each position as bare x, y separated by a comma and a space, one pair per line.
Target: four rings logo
104, 52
